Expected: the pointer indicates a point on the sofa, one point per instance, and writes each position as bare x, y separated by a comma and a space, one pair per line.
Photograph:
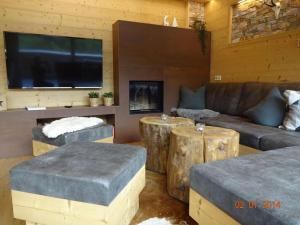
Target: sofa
257, 189
231, 100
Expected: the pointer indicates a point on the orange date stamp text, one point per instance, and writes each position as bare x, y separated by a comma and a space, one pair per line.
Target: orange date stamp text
266, 204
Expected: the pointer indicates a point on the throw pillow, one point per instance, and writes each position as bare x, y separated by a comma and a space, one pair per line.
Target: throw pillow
192, 100
270, 111
292, 117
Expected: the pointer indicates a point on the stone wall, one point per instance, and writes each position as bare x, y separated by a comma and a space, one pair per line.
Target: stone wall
196, 11
252, 19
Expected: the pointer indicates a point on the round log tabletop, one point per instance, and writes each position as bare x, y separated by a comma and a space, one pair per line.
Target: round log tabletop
170, 121
155, 134
189, 147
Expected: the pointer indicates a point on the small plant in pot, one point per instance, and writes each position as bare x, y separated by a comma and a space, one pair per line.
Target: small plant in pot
94, 99
200, 27
108, 98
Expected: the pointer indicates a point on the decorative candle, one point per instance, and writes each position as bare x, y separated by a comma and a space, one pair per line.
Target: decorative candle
200, 127
164, 117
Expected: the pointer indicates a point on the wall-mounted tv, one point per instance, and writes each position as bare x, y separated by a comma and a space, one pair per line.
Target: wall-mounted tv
43, 61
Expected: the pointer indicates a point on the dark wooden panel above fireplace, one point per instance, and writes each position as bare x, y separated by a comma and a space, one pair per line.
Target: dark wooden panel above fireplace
145, 52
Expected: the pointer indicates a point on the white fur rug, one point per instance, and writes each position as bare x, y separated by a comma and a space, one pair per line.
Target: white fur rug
156, 221
70, 124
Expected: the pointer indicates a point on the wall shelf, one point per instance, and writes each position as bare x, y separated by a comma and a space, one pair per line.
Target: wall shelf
16, 125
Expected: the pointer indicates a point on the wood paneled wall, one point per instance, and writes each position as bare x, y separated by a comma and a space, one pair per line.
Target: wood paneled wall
274, 58
78, 18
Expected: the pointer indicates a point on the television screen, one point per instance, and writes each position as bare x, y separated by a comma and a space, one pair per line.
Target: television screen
42, 61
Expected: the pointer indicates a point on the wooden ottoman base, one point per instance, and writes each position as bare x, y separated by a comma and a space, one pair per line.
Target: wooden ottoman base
206, 213
40, 148
44, 210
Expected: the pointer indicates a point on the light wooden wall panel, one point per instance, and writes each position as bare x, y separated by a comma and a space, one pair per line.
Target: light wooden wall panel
77, 18
271, 59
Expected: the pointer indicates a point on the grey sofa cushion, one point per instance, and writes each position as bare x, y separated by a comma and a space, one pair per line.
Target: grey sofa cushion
223, 98
272, 176
190, 99
81, 171
252, 94
289, 86
270, 111
250, 133
89, 134
236, 98
281, 139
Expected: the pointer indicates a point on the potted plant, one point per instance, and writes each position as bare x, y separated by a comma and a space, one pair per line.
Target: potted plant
94, 99
108, 99
200, 27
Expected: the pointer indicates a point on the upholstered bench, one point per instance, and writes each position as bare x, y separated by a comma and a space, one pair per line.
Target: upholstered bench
259, 189
42, 144
83, 183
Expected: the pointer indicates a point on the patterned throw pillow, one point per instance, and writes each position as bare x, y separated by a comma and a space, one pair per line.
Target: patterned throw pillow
292, 118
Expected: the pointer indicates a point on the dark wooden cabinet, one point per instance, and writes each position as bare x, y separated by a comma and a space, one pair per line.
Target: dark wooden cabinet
149, 52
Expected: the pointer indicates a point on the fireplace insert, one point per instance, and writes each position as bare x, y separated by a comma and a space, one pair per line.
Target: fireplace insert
146, 96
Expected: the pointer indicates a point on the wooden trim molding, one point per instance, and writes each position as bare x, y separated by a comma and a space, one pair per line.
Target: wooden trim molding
39, 148
268, 38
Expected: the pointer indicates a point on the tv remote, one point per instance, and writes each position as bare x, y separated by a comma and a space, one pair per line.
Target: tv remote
33, 108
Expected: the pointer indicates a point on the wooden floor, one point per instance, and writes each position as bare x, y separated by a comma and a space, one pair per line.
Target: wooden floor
154, 200
6, 217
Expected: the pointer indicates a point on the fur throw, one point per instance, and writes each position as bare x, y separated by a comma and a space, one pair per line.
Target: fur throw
70, 124
155, 221
195, 114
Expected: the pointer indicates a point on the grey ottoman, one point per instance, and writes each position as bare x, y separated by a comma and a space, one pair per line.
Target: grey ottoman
42, 144
80, 183
258, 189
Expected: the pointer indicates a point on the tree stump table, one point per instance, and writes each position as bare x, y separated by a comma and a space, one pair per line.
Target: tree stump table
155, 134
189, 146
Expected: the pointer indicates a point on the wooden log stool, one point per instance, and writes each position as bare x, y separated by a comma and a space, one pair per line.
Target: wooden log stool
82, 183
155, 134
42, 144
189, 146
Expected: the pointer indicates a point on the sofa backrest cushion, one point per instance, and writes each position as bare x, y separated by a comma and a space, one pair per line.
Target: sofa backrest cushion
236, 98
289, 86
252, 94
224, 97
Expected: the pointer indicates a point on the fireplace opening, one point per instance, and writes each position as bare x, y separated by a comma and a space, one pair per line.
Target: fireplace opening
146, 96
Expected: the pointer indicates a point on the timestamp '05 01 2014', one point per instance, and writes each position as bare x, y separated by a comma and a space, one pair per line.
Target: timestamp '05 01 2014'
266, 204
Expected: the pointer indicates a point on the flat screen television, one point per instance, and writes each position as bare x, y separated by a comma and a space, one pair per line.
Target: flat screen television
43, 61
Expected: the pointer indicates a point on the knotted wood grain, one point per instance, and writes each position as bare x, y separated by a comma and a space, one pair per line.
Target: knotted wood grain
155, 134
189, 147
